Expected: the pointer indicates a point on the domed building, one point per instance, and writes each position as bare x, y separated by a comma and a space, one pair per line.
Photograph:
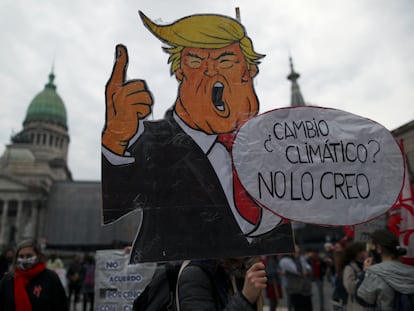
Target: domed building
38, 197
44, 141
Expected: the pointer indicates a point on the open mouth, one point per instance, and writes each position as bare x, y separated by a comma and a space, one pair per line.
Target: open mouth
217, 96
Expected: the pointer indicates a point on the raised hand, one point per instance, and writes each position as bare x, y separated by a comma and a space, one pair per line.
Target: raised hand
126, 103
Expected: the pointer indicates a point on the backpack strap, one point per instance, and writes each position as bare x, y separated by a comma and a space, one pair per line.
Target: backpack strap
356, 273
177, 301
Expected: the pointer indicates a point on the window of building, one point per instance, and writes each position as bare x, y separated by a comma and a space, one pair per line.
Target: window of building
12, 210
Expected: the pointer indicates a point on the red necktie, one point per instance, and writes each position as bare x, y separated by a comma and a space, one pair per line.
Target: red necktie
245, 204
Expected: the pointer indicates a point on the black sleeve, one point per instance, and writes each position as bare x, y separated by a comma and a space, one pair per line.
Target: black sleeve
60, 300
117, 194
128, 187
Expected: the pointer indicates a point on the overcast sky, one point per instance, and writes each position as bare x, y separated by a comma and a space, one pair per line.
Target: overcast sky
352, 55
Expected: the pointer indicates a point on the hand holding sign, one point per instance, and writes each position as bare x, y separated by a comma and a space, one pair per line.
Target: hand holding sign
126, 103
318, 165
254, 282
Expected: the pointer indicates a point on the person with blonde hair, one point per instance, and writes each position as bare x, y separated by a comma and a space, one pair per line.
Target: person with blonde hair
178, 171
30, 285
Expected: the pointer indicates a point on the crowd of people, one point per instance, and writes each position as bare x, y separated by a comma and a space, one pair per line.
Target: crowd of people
358, 279
362, 276
30, 280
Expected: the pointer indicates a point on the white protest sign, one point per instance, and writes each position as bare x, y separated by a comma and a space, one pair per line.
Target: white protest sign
318, 165
117, 283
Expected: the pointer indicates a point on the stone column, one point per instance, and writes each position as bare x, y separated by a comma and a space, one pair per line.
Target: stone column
19, 221
4, 223
34, 218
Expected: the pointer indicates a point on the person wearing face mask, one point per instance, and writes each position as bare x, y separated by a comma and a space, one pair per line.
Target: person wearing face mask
352, 263
386, 279
30, 286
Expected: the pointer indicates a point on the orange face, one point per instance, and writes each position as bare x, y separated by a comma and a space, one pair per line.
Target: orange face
216, 93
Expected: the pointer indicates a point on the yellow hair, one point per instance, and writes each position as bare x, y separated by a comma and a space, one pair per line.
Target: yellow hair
204, 31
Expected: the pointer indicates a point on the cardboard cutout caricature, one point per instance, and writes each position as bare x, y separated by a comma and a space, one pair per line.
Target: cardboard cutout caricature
174, 170
179, 172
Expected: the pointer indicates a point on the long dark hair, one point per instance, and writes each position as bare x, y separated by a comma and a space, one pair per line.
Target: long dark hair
351, 250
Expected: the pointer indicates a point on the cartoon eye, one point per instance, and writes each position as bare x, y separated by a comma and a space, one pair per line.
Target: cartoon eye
226, 62
196, 63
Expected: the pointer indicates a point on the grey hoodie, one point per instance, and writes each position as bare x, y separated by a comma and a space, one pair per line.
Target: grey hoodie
381, 280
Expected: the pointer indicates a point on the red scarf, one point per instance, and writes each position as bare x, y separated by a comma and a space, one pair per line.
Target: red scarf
21, 280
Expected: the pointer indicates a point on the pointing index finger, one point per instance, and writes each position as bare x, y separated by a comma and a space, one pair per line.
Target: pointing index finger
120, 66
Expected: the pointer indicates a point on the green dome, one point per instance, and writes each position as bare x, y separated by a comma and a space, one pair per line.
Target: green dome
47, 106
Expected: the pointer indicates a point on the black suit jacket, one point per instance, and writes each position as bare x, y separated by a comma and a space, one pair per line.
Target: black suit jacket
185, 211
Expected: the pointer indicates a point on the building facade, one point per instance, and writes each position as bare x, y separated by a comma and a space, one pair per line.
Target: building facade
38, 197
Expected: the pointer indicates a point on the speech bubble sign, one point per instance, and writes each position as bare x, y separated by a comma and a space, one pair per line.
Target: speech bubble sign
318, 165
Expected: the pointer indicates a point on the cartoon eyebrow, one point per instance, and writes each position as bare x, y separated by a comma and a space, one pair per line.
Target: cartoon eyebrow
228, 53
194, 55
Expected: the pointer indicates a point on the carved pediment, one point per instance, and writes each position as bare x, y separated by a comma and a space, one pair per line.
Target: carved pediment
10, 184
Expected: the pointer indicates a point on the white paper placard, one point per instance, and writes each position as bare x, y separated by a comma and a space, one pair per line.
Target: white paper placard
319, 165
